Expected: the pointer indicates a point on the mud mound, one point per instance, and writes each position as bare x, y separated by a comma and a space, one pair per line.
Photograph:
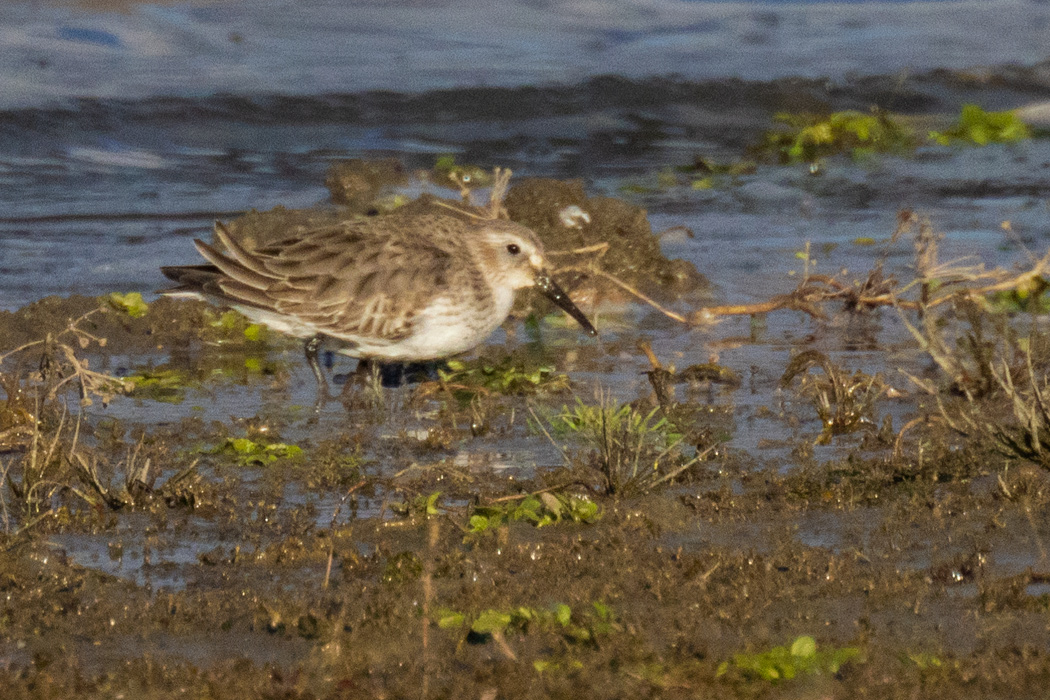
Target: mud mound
566, 219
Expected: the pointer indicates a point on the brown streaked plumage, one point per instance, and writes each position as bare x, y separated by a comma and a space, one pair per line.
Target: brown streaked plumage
391, 288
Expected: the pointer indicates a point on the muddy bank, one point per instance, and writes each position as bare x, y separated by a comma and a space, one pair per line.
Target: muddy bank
752, 509
383, 563
242, 590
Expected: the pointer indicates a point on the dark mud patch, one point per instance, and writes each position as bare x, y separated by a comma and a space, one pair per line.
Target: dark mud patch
577, 226
357, 567
659, 591
169, 324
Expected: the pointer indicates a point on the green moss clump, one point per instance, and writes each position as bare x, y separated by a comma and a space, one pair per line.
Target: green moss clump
540, 510
506, 375
448, 173
977, 127
785, 663
247, 452
131, 303
805, 138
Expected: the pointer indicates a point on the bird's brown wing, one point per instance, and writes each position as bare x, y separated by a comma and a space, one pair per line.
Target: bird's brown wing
347, 281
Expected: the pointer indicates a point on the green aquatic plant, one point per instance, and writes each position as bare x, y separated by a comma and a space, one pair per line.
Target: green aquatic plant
551, 666
161, 384
248, 452
465, 177
232, 324
637, 188
976, 127
168, 384
605, 416
424, 504
506, 375
660, 181
632, 450
539, 509
805, 138
785, 663
922, 660
702, 174
707, 174
1030, 297
584, 626
131, 303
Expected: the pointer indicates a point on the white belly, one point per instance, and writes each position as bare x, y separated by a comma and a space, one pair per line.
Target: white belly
442, 329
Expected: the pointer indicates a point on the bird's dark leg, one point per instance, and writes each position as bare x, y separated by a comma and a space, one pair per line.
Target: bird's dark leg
365, 368
311, 347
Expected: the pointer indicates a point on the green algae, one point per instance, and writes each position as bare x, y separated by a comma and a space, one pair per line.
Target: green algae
507, 375
246, 451
784, 663
540, 510
806, 138
976, 127
131, 303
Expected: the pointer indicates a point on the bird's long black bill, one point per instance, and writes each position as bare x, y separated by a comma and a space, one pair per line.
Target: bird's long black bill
556, 294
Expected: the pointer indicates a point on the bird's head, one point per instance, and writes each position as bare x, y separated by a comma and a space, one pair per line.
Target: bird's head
512, 255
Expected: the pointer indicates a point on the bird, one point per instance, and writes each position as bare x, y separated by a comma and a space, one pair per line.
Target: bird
395, 288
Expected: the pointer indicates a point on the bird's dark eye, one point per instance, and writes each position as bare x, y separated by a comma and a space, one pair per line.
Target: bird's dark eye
513, 248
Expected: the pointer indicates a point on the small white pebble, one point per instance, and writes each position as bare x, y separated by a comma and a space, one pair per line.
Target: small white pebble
573, 217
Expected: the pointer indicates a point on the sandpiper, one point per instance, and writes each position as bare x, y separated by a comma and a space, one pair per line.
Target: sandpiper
397, 288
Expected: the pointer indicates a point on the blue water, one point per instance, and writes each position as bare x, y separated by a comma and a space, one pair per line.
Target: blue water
50, 52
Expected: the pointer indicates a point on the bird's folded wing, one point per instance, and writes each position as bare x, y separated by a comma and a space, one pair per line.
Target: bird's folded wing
346, 284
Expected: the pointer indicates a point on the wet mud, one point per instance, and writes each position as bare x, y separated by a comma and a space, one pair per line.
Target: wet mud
499, 529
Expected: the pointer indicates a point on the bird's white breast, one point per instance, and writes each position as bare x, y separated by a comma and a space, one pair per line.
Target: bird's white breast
447, 326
